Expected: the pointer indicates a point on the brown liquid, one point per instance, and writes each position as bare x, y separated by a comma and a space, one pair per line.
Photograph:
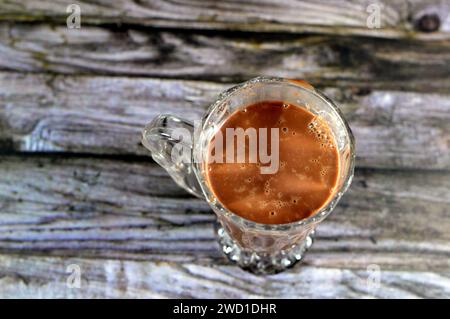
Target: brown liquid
308, 167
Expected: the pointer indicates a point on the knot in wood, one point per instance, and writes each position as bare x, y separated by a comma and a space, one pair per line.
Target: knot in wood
428, 23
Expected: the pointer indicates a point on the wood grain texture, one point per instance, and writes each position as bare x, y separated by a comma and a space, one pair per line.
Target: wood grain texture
104, 115
323, 60
75, 187
399, 18
46, 277
111, 209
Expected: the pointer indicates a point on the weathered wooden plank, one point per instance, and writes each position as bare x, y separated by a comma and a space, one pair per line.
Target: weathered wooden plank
121, 210
104, 115
398, 18
378, 63
46, 277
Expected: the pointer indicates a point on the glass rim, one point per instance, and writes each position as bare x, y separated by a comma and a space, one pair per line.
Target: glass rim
318, 216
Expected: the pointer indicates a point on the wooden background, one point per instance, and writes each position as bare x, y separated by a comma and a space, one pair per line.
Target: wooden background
76, 186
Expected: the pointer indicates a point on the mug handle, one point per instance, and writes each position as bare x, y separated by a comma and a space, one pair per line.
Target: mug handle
169, 139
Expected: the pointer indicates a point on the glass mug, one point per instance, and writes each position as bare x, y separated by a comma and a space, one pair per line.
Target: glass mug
259, 248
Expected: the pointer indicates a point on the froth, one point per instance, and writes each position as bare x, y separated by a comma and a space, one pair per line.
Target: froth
307, 172
321, 132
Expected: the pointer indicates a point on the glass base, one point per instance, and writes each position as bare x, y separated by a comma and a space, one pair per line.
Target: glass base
263, 264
